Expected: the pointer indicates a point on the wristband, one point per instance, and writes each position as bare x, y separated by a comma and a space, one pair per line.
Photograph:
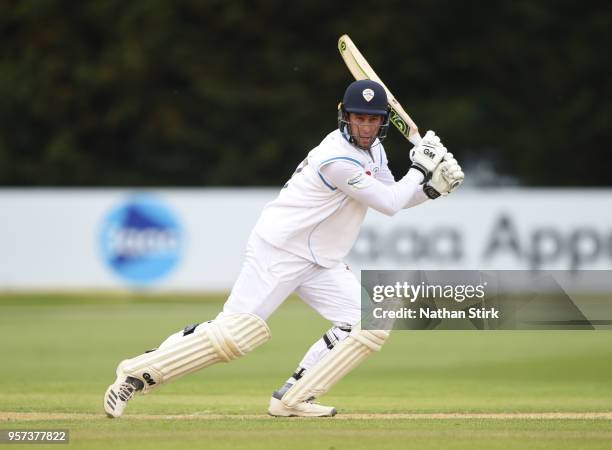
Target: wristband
430, 191
425, 172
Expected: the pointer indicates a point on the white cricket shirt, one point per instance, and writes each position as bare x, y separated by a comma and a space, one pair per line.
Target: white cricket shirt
319, 212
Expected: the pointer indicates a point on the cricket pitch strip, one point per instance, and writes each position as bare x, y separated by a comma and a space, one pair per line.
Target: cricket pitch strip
7, 417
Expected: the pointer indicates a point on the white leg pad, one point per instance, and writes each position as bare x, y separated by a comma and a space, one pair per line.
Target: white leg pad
343, 358
224, 339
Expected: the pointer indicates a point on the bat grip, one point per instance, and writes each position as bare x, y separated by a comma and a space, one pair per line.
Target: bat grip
415, 138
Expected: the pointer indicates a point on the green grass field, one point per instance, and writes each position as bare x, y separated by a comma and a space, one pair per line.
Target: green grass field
59, 353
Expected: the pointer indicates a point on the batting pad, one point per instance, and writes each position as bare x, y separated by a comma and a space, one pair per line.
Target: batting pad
343, 358
224, 339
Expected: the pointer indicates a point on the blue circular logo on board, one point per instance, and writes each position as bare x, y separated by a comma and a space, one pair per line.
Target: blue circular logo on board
141, 240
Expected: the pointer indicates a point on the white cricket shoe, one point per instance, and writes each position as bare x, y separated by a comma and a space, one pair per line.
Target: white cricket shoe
120, 393
304, 409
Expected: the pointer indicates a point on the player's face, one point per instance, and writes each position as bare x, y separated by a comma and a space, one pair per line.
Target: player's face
364, 127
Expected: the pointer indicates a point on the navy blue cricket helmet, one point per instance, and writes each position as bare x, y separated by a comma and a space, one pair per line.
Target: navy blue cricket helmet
363, 97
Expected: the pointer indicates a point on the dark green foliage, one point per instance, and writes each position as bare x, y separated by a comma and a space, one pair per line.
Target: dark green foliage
211, 93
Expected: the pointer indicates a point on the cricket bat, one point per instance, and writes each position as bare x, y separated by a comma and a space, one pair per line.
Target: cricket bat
361, 70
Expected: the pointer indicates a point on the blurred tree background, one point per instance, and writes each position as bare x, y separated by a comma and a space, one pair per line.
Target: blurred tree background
234, 93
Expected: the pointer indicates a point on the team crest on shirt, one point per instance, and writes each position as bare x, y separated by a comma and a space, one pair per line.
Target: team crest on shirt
372, 171
368, 94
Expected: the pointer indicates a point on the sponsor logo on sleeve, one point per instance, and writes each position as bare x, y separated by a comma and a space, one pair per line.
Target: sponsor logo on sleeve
359, 180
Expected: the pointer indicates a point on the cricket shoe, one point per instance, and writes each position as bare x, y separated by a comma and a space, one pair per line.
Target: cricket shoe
120, 393
305, 409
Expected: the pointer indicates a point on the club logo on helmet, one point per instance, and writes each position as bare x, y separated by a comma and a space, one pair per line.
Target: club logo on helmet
368, 94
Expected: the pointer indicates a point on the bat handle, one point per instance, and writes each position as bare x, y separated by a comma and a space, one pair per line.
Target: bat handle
415, 137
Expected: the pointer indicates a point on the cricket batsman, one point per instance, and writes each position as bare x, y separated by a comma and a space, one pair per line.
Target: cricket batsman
298, 245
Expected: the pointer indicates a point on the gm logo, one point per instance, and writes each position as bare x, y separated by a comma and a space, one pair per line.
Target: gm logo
141, 240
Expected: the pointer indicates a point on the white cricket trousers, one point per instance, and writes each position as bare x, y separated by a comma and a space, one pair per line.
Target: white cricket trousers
269, 275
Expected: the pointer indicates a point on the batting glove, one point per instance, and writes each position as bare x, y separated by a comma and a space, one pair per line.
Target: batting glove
427, 155
447, 177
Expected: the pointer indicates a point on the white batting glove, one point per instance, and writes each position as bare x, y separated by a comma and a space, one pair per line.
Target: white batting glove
447, 177
427, 155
